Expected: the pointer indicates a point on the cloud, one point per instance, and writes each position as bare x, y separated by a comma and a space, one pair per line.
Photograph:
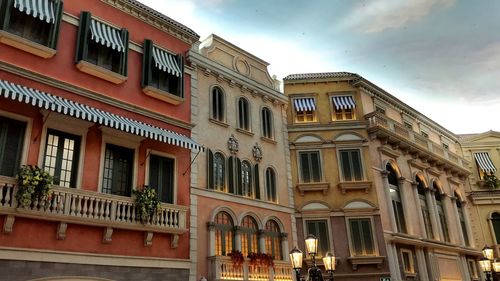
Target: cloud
377, 16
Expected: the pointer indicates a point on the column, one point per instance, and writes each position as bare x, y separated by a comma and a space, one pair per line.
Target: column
421, 264
392, 257
461, 238
467, 224
406, 206
385, 181
419, 210
211, 239
262, 241
237, 238
284, 246
436, 230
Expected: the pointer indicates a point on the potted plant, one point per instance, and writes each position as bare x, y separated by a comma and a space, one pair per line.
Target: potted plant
261, 259
34, 186
146, 202
491, 181
236, 258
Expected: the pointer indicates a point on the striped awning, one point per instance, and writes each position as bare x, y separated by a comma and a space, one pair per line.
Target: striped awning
304, 104
106, 35
42, 9
484, 162
343, 102
53, 103
166, 62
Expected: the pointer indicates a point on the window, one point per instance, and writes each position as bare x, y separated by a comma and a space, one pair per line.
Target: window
17, 19
243, 114
379, 109
446, 146
319, 228
305, 109
461, 218
224, 235
407, 261
441, 213
61, 157
249, 239
104, 46
361, 237
350, 160
161, 177
424, 207
162, 73
246, 179
216, 171
343, 108
397, 206
118, 168
472, 269
273, 240
271, 185
424, 134
11, 145
310, 166
408, 125
267, 123
495, 221
217, 104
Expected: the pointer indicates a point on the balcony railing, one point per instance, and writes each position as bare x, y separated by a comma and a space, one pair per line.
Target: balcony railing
92, 208
222, 268
394, 130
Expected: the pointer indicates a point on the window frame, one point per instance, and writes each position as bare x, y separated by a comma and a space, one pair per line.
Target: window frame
473, 270
223, 229
272, 236
442, 216
299, 165
243, 119
152, 152
296, 114
341, 164
399, 215
343, 112
250, 184
222, 104
271, 194
426, 214
412, 270
329, 229
352, 252
250, 234
267, 122
25, 142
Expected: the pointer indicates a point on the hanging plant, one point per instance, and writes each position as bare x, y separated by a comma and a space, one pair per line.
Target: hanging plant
261, 259
491, 181
34, 186
236, 258
146, 203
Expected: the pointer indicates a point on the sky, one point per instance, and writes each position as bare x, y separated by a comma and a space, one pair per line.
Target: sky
441, 57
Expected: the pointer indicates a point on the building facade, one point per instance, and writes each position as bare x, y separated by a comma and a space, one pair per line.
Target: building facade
241, 198
97, 94
393, 184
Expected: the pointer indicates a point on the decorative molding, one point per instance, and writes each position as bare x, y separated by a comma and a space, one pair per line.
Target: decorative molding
416, 164
61, 231
107, 235
148, 239
175, 241
384, 149
100, 72
162, 95
26, 45
366, 260
232, 144
355, 185
257, 152
313, 186
8, 224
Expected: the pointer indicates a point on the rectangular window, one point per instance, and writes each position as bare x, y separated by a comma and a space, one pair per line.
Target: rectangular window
11, 145
61, 157
310, 166
319, 228
350, 161
408, 125
407, 261
118, 169
343, 107
161, 177
305, 109
361, 237
424, 134
473, 269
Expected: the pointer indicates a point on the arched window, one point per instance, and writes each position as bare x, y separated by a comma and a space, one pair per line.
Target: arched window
218, 171
495, 221
271, 185
218, 104
246, 179
425, 208
243, 114
249, 239
223, 234
267, 123
441, 212
461, 218
397, 205
273, 240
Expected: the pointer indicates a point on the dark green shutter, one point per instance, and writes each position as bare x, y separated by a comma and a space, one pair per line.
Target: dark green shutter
147, 62
4, 14
239, 185
124, 54
54, 33
180, 59
210, 169
82, 45
230, 169
11, 145
257, 181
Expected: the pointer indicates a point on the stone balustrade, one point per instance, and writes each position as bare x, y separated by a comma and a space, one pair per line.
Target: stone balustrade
222, 268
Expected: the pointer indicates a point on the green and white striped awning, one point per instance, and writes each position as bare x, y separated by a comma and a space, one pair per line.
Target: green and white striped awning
42, 9
106, 35
484, 162
166, 62
53, 103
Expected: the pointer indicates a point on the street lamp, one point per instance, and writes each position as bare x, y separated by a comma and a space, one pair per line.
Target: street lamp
485, 264
488, 252
314, 272
488, 264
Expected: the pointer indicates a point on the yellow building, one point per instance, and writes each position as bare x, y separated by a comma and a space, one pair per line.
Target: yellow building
381, 184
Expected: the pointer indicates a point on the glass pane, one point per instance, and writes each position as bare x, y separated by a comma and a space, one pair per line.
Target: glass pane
367, 237
316, 166
304, 166
346, 165
356, 237
356, 164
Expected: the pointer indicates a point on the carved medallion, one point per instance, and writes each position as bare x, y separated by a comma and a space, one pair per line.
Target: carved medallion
232, 144
257, 152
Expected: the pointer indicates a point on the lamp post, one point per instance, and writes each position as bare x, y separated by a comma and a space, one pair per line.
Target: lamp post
314, 272
488, 264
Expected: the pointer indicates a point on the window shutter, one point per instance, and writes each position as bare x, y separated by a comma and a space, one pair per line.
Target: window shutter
167, 180
346, 170
316, 166
154, 169
210, 169
11, 140
180, 59
54, 35
304, 167
239, 185
367, 236
257, 181
83, 36
124, 54
356, 163
4, 14
356, 237
147, 62
230, 169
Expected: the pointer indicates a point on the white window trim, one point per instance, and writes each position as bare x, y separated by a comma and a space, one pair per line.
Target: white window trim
27, 134
349, 238
150, 152
299, 167
339, 162
313, 217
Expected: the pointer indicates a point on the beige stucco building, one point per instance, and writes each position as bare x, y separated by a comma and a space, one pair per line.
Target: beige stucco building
383, 163
241, 193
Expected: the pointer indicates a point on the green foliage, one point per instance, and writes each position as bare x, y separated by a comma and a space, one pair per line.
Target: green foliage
34, 185
147, 203
491, 181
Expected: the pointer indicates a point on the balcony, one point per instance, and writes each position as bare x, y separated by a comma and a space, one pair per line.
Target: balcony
76, 206
392, 132
222, 268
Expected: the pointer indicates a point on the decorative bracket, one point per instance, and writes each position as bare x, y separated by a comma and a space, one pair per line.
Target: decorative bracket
148, 239
107, 235
61, 231
8, 224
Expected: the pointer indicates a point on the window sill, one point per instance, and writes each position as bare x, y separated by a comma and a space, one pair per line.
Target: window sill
355, 185
366, 260
268, 140
305, 122
162, 95
220, 123
313, 186
26, 45
410, 274
100, 72
245, 132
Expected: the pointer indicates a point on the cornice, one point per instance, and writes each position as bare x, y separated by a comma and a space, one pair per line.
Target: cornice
92, 95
